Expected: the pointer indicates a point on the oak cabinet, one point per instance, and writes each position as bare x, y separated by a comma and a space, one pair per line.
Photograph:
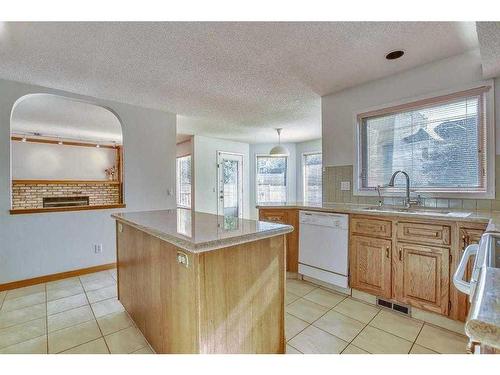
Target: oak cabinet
421, 276
371, 265
290, 217
433, 234
371, 227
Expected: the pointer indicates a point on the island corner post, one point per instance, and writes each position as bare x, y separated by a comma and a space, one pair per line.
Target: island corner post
226, 300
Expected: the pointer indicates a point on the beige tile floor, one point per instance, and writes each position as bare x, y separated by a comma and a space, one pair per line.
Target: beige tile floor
77, 315
321, 321
83, 315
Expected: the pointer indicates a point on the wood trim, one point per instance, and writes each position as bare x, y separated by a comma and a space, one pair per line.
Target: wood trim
65, 182
56, 276
55, 142
20, 211
424, 102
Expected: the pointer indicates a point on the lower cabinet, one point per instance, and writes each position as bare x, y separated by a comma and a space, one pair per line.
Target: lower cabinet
370, 265
411, 261
421, 276
290, 217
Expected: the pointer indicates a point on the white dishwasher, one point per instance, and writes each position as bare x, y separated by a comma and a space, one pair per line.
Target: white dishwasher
323, 247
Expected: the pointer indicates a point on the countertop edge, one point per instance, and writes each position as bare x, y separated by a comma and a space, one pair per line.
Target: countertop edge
210, 245
361, 210
483, 322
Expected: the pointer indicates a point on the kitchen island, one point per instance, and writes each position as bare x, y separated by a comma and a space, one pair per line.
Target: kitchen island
201, 283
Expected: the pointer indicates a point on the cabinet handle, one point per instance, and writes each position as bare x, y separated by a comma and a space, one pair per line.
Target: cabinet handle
387, 252
400, 253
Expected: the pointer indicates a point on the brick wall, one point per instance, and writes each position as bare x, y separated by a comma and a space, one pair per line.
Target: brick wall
30, 195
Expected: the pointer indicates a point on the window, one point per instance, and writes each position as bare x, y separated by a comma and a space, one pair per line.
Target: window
439, 142
271, 179
312, 177
184, 181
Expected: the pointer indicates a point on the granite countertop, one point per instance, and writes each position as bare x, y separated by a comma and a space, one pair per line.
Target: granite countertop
198, 232
483, 322
490, 217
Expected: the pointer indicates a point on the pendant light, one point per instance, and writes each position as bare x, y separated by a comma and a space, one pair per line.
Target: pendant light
279, 150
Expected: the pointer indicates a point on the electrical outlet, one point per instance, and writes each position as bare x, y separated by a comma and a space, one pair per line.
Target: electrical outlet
182, 259
98, 248
345, 185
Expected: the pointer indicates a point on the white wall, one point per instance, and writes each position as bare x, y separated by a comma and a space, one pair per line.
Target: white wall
40, 244
42, 161
263, 149
304, 147
184, 148
205, 172
338, 109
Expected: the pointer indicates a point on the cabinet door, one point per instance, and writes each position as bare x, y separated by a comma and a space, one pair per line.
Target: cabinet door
370, 265
421, 276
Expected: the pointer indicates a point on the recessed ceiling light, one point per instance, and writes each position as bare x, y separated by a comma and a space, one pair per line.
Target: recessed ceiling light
393, 55
60, 142
24, 139
97, 145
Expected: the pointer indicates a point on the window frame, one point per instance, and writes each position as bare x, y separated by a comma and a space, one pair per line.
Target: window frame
304, 185
177, 185
485, 89
256, 173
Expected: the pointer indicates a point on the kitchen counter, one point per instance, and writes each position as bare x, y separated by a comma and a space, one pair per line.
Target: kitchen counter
199, 232
483, 323
479, 216
200, 283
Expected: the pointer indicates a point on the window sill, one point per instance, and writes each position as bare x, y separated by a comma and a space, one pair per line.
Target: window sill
20, 211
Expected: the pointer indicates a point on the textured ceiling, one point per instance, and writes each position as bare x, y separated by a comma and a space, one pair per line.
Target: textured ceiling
57, 117
228, 80
489, 46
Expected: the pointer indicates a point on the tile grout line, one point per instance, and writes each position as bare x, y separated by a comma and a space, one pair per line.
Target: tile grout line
93, 314
310, 324
366, 325
416, 337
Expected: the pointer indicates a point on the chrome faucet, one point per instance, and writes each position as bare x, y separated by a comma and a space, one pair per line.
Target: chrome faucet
407, 201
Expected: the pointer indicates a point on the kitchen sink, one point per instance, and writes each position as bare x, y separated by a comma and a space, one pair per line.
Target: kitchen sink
418, 211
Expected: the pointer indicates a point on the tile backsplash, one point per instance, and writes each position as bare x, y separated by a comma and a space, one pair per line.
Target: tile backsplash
334, 175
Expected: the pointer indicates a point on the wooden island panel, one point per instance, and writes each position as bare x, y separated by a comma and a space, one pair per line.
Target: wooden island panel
229, 300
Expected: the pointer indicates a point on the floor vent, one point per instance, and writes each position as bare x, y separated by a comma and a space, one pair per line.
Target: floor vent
393, 306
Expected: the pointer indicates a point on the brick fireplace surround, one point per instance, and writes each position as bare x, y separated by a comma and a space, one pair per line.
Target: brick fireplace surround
30, 194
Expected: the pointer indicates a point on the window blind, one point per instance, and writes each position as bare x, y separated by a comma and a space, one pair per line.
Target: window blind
271, 179
440, 143
313, 177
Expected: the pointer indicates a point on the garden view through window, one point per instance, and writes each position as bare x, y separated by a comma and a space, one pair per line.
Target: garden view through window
312, 177
271, 179
184, 181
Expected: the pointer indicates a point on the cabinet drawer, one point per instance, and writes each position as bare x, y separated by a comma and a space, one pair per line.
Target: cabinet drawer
434, 234
371, 227
277, 216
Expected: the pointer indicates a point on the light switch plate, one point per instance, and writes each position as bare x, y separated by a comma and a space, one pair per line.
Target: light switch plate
345, 185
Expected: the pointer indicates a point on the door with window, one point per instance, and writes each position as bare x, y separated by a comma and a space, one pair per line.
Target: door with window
230, 184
